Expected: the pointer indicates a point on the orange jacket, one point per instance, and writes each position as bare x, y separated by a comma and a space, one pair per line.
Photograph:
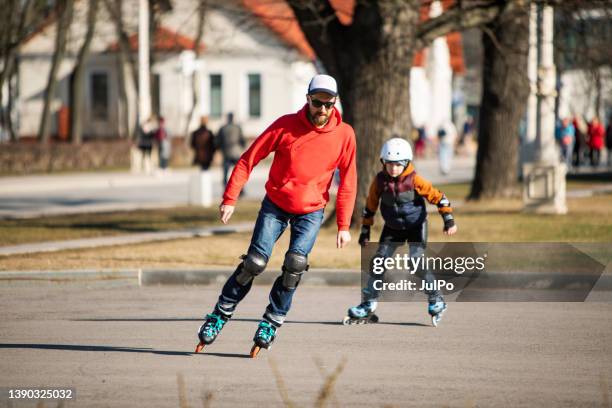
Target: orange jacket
422, 187
305, 158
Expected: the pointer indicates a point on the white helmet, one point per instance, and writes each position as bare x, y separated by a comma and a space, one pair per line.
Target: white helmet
395, 150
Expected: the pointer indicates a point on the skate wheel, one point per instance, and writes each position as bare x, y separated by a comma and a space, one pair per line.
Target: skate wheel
254, 351
199, 347
434, 321
373, 319
346, 321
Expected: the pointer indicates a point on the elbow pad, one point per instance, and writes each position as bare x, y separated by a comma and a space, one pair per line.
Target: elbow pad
444, 202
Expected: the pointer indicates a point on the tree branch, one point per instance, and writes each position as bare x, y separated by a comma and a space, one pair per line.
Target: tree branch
466, 15
317, 19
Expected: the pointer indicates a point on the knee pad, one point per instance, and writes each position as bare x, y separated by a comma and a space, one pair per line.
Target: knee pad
293, 268
252, 265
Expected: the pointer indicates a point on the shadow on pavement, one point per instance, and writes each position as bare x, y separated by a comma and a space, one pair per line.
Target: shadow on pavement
74, 347
233, 355
237, 319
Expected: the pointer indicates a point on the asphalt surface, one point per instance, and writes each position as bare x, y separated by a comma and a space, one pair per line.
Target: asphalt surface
121, 345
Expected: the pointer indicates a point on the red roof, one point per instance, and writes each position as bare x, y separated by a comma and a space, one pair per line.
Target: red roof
278, 16
165, 40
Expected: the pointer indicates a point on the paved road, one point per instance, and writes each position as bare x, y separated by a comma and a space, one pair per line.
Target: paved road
90, 192
121, 345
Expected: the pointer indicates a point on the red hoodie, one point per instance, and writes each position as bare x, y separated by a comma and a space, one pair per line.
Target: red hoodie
303, 167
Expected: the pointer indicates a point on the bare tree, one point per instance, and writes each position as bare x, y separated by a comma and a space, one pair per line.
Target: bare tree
76, 78
583, 34
202, 9
125, 57
17, 20
64, 11
371, 59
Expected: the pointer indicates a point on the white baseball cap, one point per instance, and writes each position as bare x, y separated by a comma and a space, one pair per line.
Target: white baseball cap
323, 83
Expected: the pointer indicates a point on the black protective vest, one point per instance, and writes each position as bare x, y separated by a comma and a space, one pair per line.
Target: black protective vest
401, 207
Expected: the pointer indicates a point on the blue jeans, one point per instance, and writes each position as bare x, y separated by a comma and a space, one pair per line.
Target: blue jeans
271, 223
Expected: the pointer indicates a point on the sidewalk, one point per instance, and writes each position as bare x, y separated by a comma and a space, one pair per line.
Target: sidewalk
72, 193
53, 246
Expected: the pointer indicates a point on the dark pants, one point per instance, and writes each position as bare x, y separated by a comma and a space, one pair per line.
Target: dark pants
227, 165
390, 240
271, 223
595, 157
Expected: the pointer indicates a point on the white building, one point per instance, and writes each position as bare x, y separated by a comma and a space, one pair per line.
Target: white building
245, 67
254, 62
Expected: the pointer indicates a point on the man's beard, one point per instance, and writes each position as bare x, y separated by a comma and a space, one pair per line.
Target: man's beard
319, 120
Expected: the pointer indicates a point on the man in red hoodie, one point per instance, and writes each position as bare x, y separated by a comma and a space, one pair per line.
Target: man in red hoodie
308, 147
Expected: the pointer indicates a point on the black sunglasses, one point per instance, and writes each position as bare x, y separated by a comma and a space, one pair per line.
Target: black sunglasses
317, 103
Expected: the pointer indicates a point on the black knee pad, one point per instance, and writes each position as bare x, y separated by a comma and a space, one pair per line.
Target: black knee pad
252, 265
293, 268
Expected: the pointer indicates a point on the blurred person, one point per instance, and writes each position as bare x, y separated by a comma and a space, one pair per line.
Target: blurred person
447, 135
4, 131
596, 140
580, 141
467, 131
401, 194
308, 146
164, 144
609, 141
565, 136
146, 134
202, 143
419, 145
231, 142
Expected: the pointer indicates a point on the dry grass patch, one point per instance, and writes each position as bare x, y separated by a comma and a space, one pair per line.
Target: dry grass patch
589, 220
55, 228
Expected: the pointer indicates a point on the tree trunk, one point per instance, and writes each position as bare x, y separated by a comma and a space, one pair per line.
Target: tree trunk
115, 9
124, 108
505, 92
371, 60
11, 97
65, 9
76, 79
194, 77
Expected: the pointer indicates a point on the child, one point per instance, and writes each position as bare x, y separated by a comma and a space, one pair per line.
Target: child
401, 193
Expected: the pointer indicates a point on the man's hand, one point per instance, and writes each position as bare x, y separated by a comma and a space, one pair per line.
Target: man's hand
226, 212
450, 231
343, 238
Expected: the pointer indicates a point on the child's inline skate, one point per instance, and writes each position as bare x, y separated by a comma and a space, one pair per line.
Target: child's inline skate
436, 309
362, 313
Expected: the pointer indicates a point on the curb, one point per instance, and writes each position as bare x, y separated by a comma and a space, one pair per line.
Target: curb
314, 277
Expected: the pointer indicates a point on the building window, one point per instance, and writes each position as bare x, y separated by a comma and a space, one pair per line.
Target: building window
216, 88
254, 95
99, 96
